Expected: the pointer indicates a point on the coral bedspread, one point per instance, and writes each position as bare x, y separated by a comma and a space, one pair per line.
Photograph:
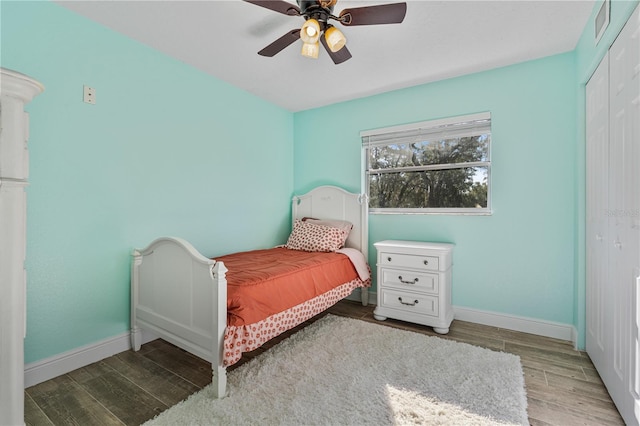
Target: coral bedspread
270, 291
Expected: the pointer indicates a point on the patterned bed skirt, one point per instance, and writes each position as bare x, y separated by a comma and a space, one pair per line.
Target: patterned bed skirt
245, 338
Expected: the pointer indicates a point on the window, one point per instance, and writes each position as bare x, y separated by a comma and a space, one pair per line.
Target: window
440, 166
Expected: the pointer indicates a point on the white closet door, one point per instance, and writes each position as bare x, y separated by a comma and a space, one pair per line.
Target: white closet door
624, 224
631, 34
597, 153
613, 244
620, 241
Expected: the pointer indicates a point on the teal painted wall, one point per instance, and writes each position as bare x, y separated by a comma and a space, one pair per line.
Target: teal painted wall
152, 158
518, 261
588, 56
167, 150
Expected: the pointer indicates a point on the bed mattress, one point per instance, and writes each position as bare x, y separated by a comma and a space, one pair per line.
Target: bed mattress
271, 291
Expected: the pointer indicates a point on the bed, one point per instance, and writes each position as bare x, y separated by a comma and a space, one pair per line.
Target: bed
204, 306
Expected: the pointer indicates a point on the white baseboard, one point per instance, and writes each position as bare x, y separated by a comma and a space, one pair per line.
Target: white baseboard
513, 322
46, 369
574, 338
540, 327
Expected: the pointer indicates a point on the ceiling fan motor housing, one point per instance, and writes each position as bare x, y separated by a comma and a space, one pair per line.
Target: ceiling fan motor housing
313, 9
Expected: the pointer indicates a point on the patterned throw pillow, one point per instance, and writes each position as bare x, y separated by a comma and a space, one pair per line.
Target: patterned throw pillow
334, 223
310, 237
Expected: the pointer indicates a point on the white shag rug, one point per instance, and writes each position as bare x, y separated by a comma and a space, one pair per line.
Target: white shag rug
342, 371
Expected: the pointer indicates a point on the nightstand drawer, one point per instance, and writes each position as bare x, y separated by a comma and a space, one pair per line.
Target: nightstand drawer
397, 260
415, 303
410, 280
414, 282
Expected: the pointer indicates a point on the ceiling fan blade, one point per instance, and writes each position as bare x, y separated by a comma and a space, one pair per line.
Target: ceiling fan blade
373, 15
279, 6
338, 57
280, 43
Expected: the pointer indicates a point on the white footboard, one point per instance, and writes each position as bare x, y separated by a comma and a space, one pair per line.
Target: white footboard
181, 296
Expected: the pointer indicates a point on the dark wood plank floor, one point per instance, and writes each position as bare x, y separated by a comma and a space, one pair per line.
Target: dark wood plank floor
563, 388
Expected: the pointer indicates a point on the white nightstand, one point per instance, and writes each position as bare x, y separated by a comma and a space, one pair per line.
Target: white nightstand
414, 283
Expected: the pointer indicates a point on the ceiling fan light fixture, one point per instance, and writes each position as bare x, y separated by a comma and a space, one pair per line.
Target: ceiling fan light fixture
310, 50
317, 14
310, 31
335, 39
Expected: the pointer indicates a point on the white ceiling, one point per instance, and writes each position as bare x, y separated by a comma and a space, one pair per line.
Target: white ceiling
437, 40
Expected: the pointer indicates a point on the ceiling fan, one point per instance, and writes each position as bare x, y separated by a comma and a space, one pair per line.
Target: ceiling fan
317, 28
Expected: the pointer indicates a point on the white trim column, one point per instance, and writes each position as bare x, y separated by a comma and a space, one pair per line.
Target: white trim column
16, 90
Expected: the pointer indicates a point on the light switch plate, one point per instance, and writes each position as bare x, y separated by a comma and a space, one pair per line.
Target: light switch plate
89, 95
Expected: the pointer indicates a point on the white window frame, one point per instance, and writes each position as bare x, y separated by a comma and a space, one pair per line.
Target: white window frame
451, 126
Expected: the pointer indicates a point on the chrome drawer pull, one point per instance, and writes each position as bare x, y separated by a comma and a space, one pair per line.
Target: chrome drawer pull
408, 303
407, 282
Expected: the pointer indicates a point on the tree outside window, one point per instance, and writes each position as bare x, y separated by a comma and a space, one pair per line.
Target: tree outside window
431, 167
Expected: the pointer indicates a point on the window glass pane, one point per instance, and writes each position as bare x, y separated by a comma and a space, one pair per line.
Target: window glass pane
427, 152
452, 188
436, 166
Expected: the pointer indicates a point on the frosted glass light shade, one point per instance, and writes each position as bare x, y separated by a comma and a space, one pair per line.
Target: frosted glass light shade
335, 39
310, 50
310, 31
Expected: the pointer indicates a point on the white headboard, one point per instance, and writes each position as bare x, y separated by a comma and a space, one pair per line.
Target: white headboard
331, 202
